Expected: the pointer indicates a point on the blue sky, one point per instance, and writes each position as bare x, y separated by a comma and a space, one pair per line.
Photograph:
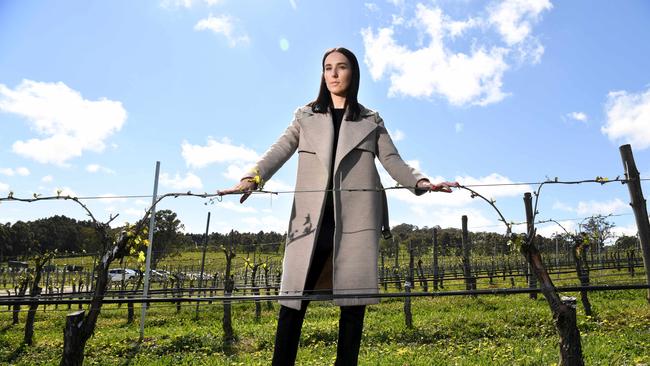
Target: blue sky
93, 93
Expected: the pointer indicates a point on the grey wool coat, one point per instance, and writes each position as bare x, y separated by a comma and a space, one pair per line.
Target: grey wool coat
357, 214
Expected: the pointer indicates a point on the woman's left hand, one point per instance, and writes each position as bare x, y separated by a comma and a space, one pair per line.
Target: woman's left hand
437, 187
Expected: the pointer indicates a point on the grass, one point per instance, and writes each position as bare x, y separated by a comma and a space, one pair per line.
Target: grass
488, 330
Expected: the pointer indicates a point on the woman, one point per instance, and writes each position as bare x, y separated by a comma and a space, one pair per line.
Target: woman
332, 241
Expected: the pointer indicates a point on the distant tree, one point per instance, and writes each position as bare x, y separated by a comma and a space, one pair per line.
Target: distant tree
57, 232
5, 243
22, 238
168, 238
402, 231
450, 241
599, 229
626, 242
90, 242
387, 247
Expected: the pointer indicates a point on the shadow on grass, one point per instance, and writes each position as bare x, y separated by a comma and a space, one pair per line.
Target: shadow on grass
185, 343
229, 345
4, 329
16, 353
130, 353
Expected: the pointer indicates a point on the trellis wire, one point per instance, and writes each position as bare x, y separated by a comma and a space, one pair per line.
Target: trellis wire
329, 297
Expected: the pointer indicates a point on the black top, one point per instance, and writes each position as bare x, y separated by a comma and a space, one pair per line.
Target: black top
337, 119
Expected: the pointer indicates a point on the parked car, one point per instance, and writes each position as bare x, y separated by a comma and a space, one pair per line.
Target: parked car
119, 274
156, 275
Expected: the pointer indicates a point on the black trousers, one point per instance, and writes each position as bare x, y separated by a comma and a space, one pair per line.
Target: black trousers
290, 320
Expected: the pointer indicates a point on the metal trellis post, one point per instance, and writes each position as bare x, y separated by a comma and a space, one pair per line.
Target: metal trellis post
152, 222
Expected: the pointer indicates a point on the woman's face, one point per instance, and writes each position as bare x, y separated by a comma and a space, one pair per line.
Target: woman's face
337, 73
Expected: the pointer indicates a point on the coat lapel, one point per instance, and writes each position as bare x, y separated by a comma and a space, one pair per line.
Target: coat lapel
319, 132
351, 134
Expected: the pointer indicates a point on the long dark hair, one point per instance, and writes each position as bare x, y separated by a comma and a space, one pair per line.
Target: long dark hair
324, 99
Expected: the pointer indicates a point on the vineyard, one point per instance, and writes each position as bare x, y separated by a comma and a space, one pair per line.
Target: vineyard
442, 304
180, 276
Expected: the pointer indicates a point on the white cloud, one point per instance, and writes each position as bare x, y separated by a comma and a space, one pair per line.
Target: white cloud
22, 171
434, 69
629, 230
514, 18
223, 24
590, 208
557, 205
47, 179
459, 127
197, 156
293, 4
628, 118
397, 135
266, 223
94, 168
578, 116
459, 197
68, 123
496, 186
187, 3
276, 185
450, 217
176, 3
235, 172
547, 230
237, 207
4, 187
371, 7
456, 28
111, 198
474, 77
190, 181
601, 208
134, 212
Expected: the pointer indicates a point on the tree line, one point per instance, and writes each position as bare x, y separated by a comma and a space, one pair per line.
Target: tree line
66, 235
24, 239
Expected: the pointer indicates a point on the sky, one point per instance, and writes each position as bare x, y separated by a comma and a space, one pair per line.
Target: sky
94, 93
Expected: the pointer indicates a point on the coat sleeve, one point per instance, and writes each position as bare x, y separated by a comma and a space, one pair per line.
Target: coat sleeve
392, 161
277, 154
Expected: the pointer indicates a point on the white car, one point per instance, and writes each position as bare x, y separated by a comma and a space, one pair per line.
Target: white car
119, 274
159, 275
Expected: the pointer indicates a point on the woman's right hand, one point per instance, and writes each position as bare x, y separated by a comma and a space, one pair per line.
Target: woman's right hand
245, 186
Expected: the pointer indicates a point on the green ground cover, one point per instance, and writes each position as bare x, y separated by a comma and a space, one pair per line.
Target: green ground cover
487, 330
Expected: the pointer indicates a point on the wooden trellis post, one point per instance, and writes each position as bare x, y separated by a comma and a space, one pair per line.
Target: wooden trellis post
638, 206
396, 274
563, 308
435, 259
73, 353
408, 315
470, 281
